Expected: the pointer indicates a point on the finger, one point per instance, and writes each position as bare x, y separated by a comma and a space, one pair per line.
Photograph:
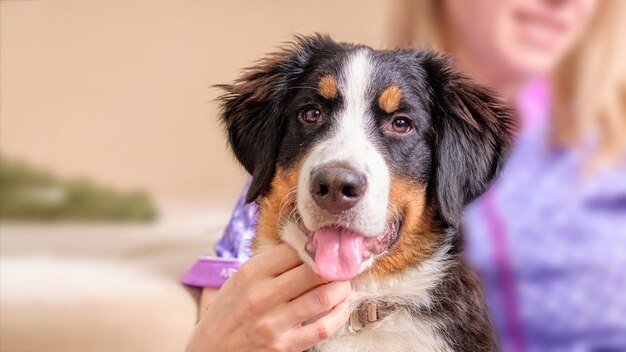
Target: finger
206, 299
277, 260
314, 303
303, 337
297, 281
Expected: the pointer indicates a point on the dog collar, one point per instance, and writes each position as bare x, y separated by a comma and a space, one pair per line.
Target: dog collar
368, 313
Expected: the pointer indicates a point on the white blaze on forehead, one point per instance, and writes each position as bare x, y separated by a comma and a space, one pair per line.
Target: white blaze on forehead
350, 142
355, 82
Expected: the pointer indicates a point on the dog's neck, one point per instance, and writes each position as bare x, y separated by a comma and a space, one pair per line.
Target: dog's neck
375, 298
368, 313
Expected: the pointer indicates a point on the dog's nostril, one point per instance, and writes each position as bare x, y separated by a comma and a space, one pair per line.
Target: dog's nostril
322, 190
349, 191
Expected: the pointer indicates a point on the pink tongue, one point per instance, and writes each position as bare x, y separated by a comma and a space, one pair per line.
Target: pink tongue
339, 253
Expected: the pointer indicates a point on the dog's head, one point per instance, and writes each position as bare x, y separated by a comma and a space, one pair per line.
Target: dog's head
356, 155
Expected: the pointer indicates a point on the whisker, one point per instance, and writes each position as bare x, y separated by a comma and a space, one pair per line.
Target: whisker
287, 199
395, 214
295, 215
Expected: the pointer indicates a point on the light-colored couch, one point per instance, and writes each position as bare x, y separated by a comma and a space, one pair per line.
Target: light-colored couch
102, 287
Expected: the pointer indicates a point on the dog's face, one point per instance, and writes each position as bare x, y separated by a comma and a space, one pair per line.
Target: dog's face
358, 155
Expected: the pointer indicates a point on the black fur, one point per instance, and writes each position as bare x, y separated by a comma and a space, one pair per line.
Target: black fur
472, 129
458, 308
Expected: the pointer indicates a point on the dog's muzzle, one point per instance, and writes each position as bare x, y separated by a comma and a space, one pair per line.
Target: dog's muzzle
340, 239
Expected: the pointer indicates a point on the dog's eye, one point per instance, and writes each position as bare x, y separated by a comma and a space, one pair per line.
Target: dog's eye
400, 125
311, 115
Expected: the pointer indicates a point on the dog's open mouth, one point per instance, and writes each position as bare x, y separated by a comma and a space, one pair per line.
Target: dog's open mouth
338, 252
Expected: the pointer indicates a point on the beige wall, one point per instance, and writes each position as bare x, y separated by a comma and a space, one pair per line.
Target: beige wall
118, 90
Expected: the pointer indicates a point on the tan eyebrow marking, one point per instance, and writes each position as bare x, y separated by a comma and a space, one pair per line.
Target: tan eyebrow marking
328, 87
390, 98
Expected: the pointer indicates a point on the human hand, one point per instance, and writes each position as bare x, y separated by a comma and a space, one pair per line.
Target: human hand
263, 306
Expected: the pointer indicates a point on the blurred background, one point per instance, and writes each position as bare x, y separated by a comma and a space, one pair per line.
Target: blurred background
109, 134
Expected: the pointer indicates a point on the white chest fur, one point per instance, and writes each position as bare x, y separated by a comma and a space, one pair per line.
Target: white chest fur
399, 331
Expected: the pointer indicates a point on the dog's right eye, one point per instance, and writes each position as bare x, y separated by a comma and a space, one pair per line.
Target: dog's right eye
311, 115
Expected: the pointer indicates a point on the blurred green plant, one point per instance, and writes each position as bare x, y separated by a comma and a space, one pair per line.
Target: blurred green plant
30, 194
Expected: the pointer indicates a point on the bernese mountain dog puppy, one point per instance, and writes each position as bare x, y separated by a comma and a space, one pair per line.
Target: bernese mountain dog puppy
362, 160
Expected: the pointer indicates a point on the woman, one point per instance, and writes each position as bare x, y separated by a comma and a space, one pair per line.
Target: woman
549, 238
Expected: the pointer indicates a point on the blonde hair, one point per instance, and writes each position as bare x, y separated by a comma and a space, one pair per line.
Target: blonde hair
589, 85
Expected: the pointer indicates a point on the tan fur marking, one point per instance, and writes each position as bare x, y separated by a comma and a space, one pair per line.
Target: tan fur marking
328, 87
389, 100
275, 206
416, 240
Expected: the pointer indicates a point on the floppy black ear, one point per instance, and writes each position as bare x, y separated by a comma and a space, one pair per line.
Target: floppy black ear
473, 132
252, 107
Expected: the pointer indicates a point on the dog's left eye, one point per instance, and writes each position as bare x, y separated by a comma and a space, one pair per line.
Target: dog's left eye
311, 115
400, 125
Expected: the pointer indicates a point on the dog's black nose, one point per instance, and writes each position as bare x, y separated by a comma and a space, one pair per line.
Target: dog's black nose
337, 188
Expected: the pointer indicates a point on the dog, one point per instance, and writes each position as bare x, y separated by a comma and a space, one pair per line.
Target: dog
363, 160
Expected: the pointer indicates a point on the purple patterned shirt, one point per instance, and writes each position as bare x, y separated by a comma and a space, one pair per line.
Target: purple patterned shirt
231, 250
548, 241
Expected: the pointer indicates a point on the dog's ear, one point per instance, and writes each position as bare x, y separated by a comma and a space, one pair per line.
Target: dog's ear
253, 107
473, 131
